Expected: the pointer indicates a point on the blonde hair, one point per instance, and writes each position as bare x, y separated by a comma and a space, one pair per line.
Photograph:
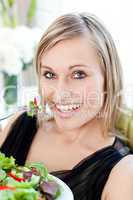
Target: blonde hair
73, 25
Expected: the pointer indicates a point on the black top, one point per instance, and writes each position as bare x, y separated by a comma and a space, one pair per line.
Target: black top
87, 178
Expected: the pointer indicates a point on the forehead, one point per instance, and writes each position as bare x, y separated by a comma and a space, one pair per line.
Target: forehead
71, 52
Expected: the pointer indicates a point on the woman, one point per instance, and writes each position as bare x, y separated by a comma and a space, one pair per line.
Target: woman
79, 76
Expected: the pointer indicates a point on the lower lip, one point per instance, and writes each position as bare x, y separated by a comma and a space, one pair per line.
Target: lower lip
66, 114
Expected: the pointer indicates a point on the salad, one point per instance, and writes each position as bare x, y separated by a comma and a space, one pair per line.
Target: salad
29, 182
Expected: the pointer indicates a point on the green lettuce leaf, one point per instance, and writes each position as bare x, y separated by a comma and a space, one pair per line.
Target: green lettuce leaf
6, 162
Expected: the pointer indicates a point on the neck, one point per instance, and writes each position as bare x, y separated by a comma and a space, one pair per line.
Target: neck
89, 134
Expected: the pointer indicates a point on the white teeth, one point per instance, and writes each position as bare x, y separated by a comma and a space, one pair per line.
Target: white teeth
64, 108
76, 106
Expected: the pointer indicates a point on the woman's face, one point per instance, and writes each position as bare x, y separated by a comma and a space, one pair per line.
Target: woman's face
71, 75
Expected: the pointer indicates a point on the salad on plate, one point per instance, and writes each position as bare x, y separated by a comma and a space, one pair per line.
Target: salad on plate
29, 182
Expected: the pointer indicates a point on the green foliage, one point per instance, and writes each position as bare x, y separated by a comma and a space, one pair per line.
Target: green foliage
31, 11
6, 19
11, 2
10, 85
9, 16
4, 12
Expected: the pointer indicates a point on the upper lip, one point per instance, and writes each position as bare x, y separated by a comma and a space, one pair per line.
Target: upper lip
67, 104
64, 104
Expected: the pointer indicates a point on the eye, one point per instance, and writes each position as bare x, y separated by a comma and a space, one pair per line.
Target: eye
79, 74
48, 75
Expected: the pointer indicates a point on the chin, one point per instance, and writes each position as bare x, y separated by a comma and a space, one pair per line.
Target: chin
68, 124
77, 120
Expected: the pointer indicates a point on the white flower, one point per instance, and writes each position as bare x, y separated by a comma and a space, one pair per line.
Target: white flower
17, 47
9, 59
7, 36
24, 42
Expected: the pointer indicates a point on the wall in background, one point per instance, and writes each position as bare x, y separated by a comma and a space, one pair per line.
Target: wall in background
47, 11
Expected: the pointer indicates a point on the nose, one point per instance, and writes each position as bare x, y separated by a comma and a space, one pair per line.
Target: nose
63, 93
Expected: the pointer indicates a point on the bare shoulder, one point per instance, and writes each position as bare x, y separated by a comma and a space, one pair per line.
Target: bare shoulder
5, 131
120, 182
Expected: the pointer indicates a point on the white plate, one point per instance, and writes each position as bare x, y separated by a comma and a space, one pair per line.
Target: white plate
66, 193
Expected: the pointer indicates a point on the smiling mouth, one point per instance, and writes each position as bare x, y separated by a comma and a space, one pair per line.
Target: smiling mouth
67, 108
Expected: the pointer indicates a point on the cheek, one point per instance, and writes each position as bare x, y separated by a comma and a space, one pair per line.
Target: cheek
46, 91
93, 95
48, 86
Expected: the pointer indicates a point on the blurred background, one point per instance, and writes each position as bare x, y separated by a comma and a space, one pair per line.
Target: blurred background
22, 22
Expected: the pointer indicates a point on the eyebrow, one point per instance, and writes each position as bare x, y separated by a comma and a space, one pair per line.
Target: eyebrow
71, 67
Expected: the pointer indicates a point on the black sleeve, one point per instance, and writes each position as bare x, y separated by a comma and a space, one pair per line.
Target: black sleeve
19, 138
